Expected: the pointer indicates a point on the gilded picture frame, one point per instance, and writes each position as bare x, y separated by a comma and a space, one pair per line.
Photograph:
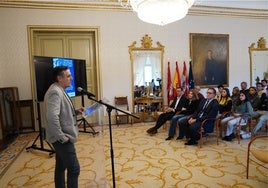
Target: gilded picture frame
209, 54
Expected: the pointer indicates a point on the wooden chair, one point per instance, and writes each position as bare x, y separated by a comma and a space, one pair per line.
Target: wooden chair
240, 124
260, 154
223, 115
122, 104
205, 134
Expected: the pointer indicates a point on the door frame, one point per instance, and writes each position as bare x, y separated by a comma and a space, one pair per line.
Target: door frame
32, 29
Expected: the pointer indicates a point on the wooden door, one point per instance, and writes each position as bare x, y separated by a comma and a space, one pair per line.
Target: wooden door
71, 44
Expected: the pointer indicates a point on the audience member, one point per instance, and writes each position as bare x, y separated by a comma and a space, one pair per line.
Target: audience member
243, 109
208, 108
200, 95
262, 95
177, 105
244, 88
264, 100
261, 120
254, 98
264, 83
235, 96
218, 94
188, 109
225, 101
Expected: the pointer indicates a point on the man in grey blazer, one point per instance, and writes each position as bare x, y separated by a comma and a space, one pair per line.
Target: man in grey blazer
61, 128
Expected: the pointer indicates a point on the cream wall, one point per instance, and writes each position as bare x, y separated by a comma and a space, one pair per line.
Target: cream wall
117, 31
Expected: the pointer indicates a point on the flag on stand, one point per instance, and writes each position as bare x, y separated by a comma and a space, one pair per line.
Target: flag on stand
169, 85
176, 80
185, 79
191, 76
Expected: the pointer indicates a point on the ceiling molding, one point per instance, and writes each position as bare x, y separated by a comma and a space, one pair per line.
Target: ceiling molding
113, 5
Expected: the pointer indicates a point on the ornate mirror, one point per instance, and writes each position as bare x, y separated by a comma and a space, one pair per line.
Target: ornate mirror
147, 75
258, 61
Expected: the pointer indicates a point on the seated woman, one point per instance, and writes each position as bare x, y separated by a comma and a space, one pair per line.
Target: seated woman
190, 106
243, 109
225, 101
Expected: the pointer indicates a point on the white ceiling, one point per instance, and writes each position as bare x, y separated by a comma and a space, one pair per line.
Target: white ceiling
251, 4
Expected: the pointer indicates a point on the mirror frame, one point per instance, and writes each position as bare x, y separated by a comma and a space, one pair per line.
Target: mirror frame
261, 47
146, 45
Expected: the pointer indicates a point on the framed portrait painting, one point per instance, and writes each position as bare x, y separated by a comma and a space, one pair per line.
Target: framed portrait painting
210, 59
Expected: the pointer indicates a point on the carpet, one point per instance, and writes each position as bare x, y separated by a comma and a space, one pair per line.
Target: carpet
143, 161
12, 151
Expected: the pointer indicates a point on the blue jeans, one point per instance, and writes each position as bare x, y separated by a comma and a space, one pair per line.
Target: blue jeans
66, 159
262, 119
173, 124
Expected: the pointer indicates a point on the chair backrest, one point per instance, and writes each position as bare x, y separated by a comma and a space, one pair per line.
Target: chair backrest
121, 102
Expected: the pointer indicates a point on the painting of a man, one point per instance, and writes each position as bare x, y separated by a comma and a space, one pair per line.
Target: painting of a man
209, 54
210, 67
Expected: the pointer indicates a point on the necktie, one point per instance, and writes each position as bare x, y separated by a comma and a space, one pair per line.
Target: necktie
206, 104
177, 102
204, 107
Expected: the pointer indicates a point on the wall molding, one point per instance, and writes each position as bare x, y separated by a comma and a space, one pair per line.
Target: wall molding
113, 5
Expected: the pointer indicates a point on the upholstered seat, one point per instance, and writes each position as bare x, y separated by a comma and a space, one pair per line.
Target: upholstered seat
258, 148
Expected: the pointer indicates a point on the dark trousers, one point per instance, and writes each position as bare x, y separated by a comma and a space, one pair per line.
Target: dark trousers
66, 159
193, 131
163, 118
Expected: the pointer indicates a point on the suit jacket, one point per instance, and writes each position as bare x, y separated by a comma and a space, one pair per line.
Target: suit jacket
190, 106
211, 111
180, 105
60, 116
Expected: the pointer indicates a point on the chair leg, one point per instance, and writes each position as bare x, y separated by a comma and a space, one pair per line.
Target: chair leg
248, 163
217, 131
238, 127
201, 139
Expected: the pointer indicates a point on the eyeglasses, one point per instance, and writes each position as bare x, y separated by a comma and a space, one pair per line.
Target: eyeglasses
209, 93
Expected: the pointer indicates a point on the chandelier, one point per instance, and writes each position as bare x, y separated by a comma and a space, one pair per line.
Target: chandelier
159, 12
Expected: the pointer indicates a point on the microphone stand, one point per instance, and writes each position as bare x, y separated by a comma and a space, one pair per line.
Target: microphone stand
109, 109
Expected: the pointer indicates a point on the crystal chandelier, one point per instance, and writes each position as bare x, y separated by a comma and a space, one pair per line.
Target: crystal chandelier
159, 12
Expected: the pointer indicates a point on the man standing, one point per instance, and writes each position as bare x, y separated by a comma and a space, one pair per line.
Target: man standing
208, 108
177, 104
61, 128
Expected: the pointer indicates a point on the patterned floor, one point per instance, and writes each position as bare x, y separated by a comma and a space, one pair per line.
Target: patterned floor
143, 161
13, 150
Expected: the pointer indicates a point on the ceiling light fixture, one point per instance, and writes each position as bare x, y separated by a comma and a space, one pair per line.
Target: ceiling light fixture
159, 12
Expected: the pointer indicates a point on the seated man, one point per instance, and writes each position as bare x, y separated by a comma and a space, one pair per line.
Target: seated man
208, 108
188, 109
175, 106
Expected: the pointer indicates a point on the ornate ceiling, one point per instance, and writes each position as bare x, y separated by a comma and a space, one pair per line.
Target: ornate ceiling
238, 8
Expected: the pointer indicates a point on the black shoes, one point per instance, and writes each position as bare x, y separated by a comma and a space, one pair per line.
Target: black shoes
191, 142
179, 138
169, 138
152, 131
229, 138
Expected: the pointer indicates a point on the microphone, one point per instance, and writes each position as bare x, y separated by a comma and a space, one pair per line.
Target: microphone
81, 90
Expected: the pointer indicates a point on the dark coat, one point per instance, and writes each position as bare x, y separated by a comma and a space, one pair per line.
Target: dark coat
181, 104
211, 111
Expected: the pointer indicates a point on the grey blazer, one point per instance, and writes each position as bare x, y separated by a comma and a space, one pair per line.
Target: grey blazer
60, 116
